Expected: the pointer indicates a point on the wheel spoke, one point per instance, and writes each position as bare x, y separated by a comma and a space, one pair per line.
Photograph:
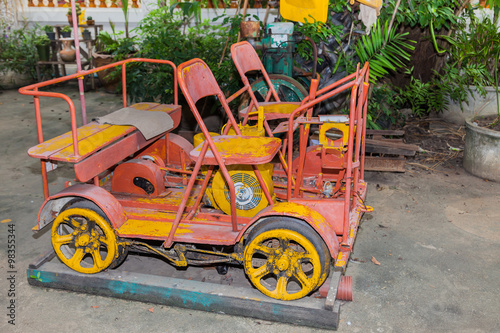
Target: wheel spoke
98, 262
62, 239
280, 290
264, 249
77, 258
303, 256
104, 240
303, 279
259, 273
72, 222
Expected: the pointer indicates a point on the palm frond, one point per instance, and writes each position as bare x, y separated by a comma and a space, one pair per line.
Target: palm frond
385, 50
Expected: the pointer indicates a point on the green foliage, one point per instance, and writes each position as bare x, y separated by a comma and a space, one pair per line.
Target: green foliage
381, 108
48, 28
66, 28
115, 44
41, 40
422, 12
77, 8
435, 95
339, 6
161, 37
89, 18
17, 49
477, 45
317, 31
385, 51
189, 10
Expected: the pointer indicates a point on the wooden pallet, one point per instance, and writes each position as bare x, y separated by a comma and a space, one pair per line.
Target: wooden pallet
386, 151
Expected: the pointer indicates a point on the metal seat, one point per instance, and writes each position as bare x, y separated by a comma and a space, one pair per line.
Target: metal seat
246, 60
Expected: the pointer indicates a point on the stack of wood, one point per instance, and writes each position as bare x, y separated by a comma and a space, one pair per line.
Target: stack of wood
386, 151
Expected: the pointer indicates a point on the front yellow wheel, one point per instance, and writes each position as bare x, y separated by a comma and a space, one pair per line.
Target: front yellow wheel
283, 264
84, 240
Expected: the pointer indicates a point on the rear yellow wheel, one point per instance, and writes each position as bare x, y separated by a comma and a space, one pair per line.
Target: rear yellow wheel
84, 240
283, 263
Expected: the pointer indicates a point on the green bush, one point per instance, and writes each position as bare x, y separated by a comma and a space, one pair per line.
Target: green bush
161, 36
17, 50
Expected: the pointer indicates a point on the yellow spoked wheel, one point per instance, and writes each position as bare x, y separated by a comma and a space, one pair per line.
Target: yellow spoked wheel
84, 240
283, 263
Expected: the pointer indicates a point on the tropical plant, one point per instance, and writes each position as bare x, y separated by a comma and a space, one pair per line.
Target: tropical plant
161, 37
48, 28
384, 49
124, 4
17, 51
41, 40
317, 31
475, 52
66, 28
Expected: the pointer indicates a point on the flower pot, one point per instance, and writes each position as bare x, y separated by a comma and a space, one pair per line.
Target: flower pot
66, 34
476, 105
86, 35
90, 22
43, 52
482, 151
110, 84
10, 79
70, 19
68, 54
51, 35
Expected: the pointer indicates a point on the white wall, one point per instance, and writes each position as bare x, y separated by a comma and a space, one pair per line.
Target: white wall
102, 16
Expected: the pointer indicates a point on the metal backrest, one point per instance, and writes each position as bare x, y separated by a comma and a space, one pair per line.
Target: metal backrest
196, 81
246, 59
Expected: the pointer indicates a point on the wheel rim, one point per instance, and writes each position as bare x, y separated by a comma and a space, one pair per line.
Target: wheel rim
83, 240
283, 264
288, 89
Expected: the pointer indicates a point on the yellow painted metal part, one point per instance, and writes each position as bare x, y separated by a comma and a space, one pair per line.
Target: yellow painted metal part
250, 198
279, 256
248, 130
90, 138
300, 10
329, 143
149, 228
200, 137
284, 108
81, 238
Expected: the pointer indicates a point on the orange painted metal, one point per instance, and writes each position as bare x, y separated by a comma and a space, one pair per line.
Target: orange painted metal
173, 211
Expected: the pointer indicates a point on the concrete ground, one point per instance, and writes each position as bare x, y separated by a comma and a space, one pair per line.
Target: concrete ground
435, 235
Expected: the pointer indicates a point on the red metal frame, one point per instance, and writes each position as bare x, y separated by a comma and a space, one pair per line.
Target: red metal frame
338, 229
33, 91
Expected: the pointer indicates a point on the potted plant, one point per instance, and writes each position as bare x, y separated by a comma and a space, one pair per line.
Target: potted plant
78, 13
86, 34
42, 44
112, 47
49, 30
90, 21
66, 31
18, 56
475, 52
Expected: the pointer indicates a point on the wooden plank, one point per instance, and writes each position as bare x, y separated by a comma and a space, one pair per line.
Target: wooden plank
332, 291
382, 163
203, 296
387, 147
385, 132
